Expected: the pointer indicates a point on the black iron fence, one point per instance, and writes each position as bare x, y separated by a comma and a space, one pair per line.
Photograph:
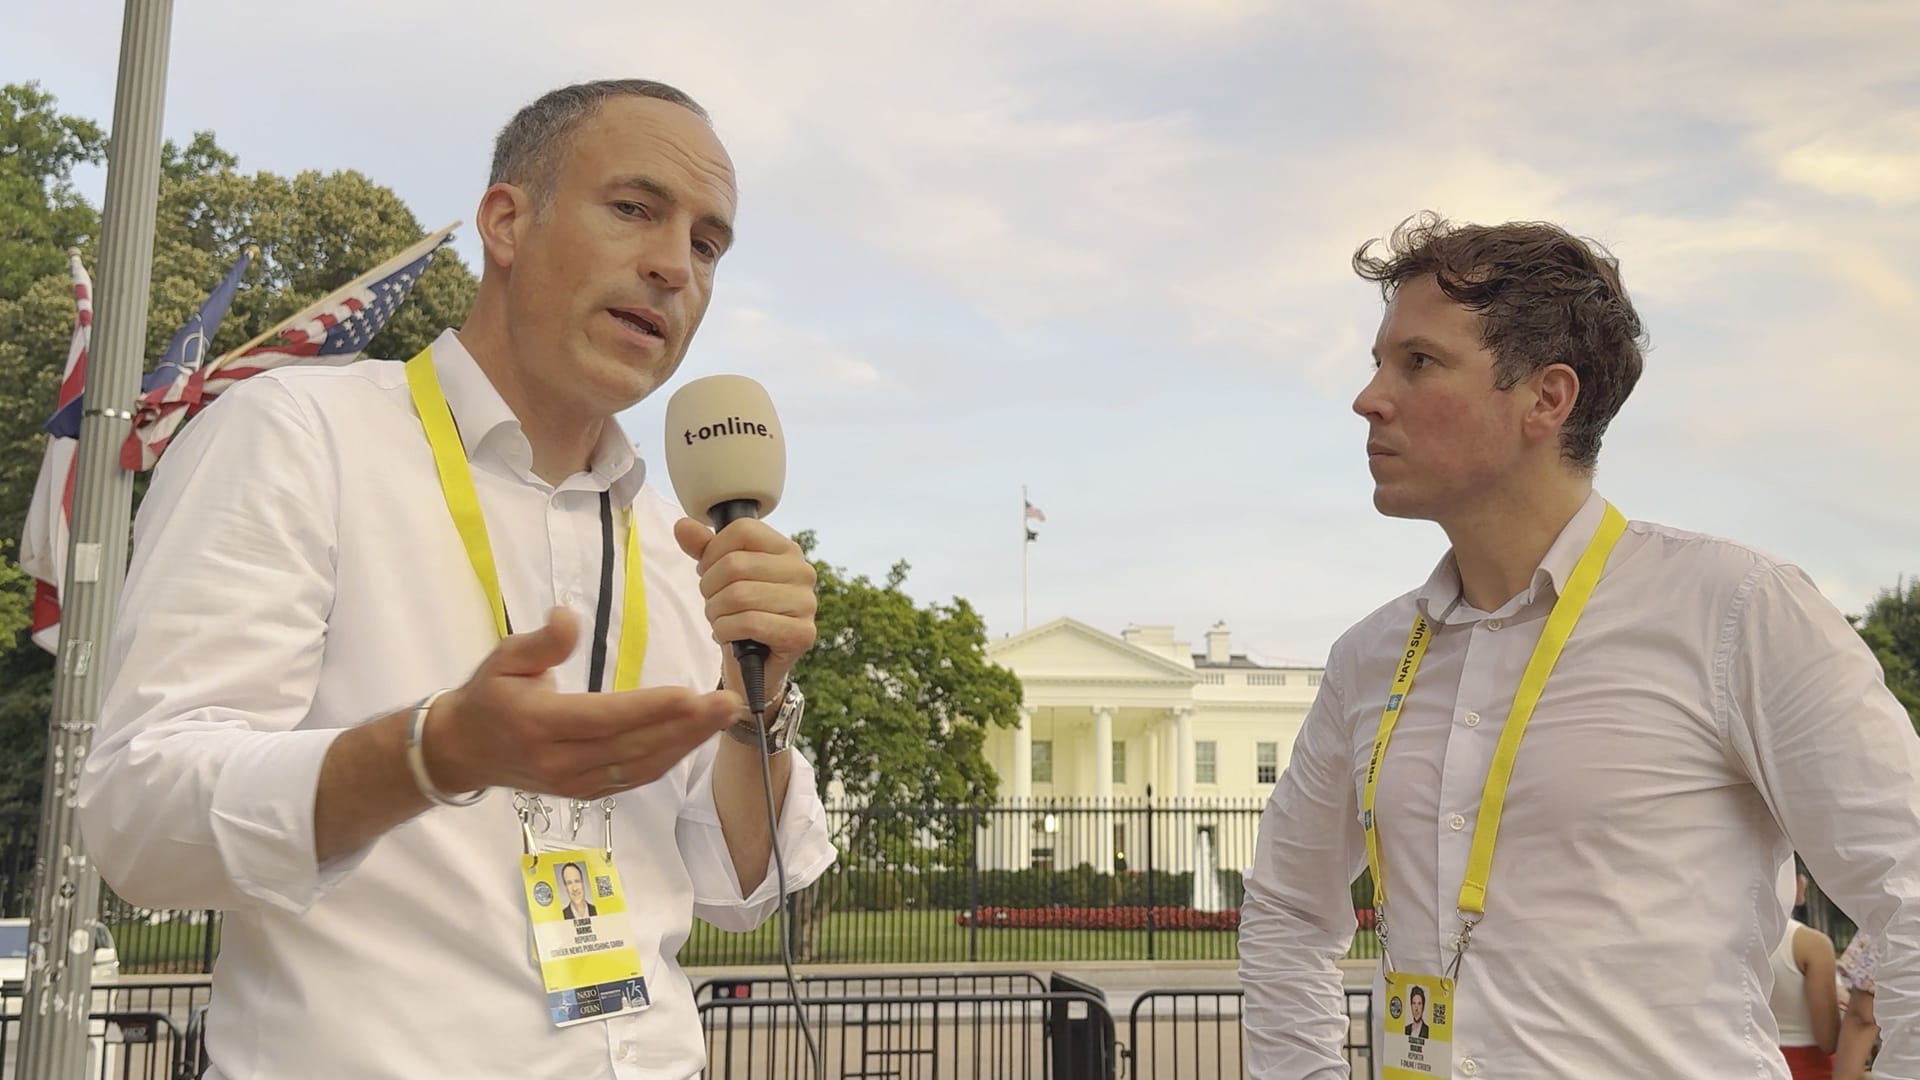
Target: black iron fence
1042, 881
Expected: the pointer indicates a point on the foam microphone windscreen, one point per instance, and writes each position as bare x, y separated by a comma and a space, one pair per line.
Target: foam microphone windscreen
724, 445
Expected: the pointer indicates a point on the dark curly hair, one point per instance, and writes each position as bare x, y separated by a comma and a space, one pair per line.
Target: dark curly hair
1543, 296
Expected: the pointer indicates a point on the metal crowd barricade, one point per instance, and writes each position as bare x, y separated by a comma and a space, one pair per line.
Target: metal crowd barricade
138, 1030
989, 1036
1198, 1033
870, 984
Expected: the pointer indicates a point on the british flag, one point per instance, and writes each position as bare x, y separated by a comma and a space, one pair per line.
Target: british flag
333, 331
43, 544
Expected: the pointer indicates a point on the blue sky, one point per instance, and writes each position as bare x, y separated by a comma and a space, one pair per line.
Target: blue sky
1100, 249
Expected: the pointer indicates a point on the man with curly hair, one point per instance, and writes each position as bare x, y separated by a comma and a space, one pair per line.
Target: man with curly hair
1577, 757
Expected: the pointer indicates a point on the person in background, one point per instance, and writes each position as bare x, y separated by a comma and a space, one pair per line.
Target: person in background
1805, 999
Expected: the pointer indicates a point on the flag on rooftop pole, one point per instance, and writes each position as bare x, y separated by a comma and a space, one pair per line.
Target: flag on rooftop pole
331, 331
1028, 516
44, 541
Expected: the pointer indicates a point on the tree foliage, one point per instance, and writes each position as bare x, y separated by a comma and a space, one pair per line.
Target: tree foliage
1891, 627
315, 232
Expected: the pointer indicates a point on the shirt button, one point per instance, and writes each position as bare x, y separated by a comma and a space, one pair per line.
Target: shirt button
1469, 1066
1473, 719
1494, 624
628, 1049
1456, 823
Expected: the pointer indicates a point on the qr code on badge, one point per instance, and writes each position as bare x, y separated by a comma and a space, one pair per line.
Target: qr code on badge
603, 885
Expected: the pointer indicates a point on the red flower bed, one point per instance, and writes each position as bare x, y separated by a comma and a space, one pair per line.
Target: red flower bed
1100, 918
1115, 918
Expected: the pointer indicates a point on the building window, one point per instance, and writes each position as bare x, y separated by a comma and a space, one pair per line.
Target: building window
1205, 766
1043, 761
1266, 762
1313, 680
1119, 763
1040, 853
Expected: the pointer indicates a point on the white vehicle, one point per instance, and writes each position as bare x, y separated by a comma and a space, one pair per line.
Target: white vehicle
15, 938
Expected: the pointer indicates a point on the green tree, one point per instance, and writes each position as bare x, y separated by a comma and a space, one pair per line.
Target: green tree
40, 213
315, 232
1891, 627
899, 700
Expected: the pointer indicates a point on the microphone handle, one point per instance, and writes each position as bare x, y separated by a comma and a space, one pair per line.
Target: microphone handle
751, 654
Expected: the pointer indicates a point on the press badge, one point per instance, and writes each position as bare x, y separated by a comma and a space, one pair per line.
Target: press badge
582, 937
1419, 1027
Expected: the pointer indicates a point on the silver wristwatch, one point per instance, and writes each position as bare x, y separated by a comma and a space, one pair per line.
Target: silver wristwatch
781, 729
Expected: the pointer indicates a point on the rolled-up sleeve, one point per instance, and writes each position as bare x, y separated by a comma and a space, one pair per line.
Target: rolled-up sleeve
1297, 919
1807, 711
803, 842
199, 789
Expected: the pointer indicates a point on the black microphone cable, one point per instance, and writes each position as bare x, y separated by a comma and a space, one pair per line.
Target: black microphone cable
753, 673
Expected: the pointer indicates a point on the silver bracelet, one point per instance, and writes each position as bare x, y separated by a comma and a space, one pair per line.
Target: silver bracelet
417, 757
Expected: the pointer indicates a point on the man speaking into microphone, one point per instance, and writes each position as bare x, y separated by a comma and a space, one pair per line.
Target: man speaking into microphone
417, 675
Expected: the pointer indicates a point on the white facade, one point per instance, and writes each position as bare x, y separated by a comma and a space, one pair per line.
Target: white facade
1106, 716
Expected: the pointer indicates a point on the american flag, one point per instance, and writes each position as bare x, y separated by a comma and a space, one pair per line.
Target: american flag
43, 544
333, 331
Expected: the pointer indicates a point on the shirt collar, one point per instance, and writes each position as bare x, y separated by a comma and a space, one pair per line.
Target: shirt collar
1442, 591
488, 426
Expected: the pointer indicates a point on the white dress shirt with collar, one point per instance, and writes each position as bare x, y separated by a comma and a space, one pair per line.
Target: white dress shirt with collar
1711, 714
296, 573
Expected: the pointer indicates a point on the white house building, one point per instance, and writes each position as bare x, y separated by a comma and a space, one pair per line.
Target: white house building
1104, 717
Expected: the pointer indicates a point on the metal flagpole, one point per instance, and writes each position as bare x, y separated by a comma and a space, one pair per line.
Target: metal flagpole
66, 895
1026, 548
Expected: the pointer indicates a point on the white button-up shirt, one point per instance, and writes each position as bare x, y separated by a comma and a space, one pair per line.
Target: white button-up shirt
296, 572
1711, 714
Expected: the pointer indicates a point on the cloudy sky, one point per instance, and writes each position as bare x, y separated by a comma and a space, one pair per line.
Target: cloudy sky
1100, 249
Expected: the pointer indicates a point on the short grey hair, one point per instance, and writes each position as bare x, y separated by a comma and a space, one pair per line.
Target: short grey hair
529, 149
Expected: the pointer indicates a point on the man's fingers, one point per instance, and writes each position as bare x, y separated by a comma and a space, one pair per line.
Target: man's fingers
643, 752
768, 597
692, 537
757, 566
747, 534
536, 651
589, 718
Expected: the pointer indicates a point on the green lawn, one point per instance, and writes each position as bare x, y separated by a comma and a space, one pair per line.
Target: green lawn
167, 947
847, 937
898, 937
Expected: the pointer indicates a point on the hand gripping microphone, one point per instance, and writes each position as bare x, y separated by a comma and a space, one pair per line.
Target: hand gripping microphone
727, 458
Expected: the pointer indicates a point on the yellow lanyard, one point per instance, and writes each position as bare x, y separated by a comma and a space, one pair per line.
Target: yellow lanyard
1493, 797
456, 481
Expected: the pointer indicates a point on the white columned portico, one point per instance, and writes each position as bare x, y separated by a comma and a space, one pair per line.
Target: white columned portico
1182, 847
1103, 787
1183, 744
1019, 846
1150, 773
1023, 755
